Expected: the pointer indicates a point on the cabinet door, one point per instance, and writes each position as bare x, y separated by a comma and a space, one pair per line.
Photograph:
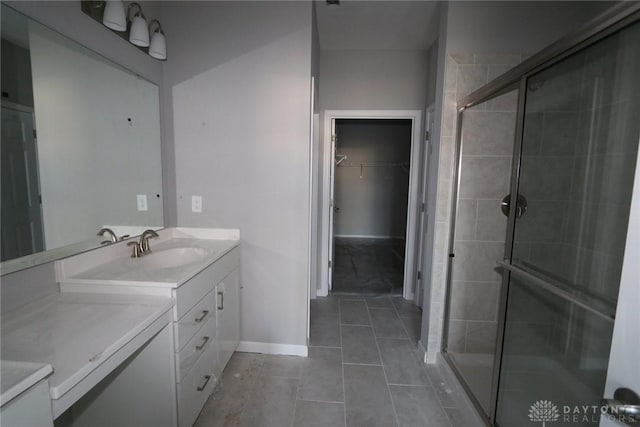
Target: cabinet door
31, 408
228, 316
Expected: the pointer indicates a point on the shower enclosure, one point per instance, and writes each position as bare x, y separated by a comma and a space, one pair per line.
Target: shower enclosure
546, 158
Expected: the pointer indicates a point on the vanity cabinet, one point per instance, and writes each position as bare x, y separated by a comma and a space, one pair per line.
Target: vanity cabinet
31, 408
206, 330
228, 317
198, 269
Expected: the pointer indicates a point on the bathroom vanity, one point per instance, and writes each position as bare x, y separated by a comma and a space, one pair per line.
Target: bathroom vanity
129, 334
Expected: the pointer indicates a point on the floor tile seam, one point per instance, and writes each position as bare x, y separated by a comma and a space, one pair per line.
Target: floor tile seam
415, 386
384, 372
323, 401
372, 333
344, 391
406, 331
363, 364
323, 346
357, 326
353, 324
295, 401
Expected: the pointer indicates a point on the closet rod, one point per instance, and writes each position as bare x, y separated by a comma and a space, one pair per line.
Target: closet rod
372, 165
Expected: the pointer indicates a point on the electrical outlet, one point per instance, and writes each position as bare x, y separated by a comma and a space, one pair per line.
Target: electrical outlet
142, 202
196, 204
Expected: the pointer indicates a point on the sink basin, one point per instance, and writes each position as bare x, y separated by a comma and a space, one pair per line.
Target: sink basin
171, 257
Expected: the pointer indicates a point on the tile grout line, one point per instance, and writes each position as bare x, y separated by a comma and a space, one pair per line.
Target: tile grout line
295, 399
422, 368
384, 371
344, 391
321, 401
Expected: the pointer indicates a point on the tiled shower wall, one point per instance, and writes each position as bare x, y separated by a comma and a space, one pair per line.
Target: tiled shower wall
488, 154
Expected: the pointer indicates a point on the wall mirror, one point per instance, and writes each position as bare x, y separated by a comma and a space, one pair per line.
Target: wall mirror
80, 147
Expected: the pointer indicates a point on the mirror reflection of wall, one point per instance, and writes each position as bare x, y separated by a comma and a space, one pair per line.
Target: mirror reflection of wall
80, 143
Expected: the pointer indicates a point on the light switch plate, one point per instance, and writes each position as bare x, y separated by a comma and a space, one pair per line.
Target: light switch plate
142, 202
196, 204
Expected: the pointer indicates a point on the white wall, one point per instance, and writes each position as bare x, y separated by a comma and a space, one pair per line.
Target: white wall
372, 80
239, 80
432, 71
514, 27
92, 160
316, 172
374, 205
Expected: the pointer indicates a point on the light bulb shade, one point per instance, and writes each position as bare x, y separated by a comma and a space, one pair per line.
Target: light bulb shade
139, 34
158, 46
114, 16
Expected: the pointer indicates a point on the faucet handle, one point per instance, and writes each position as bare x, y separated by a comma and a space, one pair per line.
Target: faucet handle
136, 249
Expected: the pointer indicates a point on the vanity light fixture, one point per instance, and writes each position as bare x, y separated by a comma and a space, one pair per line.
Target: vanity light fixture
158, 45
114, 16
138, 33
130, 24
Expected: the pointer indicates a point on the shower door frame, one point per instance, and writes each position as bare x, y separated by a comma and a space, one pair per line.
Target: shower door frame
609, 22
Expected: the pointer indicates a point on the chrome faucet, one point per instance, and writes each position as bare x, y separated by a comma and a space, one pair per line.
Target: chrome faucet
144, 241
142, 248
109, 232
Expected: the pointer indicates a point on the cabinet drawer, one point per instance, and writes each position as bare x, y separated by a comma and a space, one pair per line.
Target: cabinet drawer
196, 387
196, 318
197, 346
193, 290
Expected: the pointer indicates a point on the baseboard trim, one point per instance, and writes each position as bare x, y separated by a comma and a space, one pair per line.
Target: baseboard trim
273, 348
422, 351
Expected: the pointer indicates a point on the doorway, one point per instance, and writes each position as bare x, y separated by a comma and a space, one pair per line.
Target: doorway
371, 192
373, 218
22, 227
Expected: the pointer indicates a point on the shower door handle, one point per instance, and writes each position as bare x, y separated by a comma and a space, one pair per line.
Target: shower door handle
521, 205
625, 405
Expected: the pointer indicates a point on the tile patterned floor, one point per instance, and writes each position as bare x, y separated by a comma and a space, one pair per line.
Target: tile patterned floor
363, 370
368, 266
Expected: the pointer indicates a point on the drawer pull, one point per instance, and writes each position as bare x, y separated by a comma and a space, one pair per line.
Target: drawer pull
201, 318
221, 306
204, 342
204, 384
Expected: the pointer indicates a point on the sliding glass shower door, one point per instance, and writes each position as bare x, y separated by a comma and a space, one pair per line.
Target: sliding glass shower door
577, 163
541, 208
485, 153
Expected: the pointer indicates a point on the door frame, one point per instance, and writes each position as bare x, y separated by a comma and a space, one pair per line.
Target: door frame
413, 204
427, 151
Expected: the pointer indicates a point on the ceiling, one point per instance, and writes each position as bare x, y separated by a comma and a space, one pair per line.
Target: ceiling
373, 25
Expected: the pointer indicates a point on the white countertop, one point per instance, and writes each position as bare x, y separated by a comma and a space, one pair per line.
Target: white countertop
17, 377
76, 333
121, 269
